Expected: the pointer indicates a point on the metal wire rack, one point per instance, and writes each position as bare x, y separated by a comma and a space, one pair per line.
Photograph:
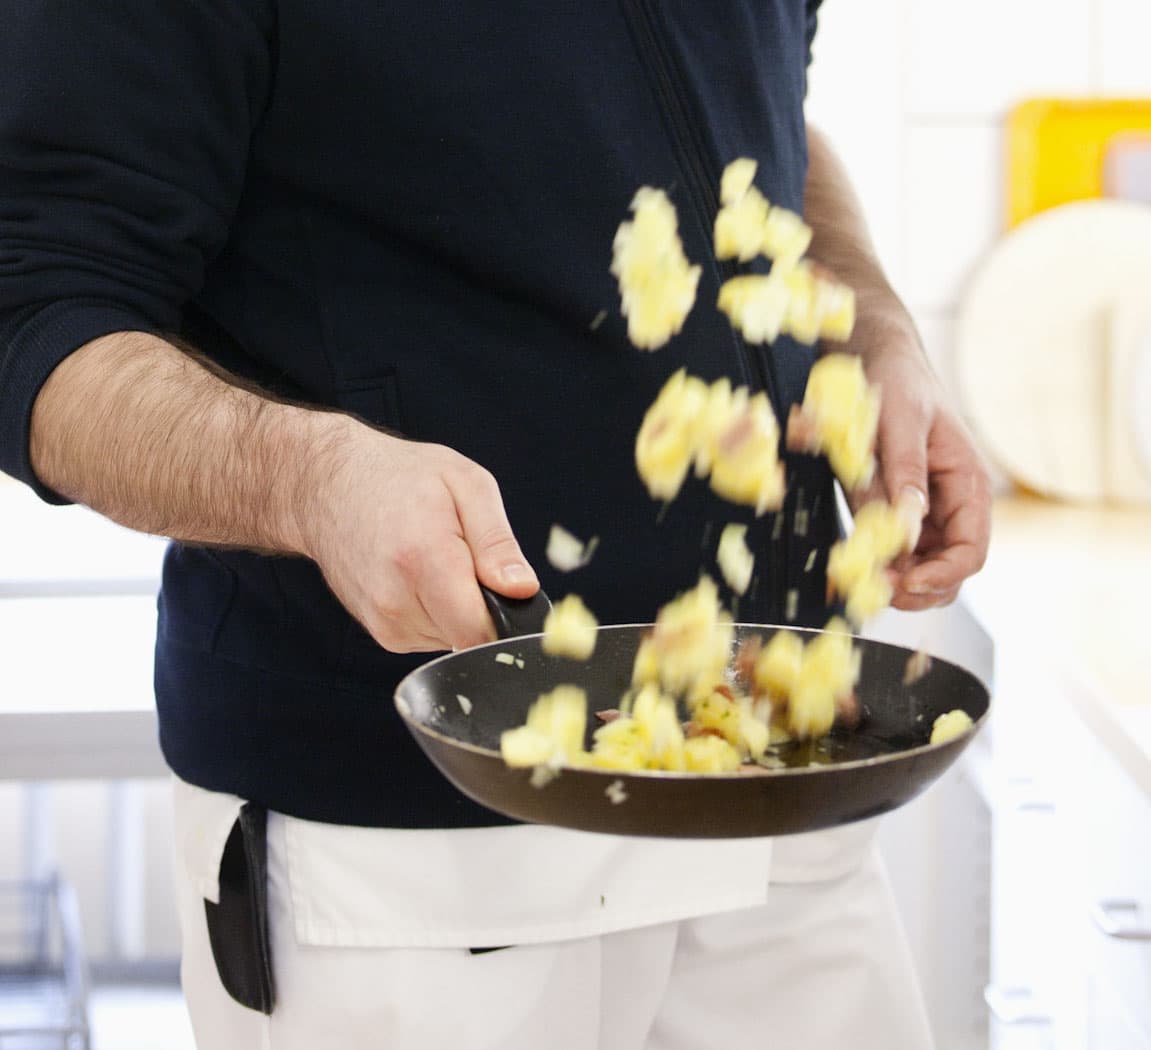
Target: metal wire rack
43, 968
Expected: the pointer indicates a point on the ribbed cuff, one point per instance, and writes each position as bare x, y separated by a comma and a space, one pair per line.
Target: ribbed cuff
33, 351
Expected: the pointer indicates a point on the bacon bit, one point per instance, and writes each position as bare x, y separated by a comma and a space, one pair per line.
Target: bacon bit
694, 729
802, 433
847, 710
737, 434
745, 657
608, 714
918, 664
724, 690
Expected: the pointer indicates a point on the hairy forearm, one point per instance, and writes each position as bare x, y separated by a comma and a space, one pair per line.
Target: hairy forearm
843, 244
146, 435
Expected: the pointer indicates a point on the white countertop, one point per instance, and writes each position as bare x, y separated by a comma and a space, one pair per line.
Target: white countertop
1067, 593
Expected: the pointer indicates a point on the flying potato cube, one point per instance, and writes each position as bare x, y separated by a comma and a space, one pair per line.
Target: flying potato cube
570, 629
657, 284
839, 417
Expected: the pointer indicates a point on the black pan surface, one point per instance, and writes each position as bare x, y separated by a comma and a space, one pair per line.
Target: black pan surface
848, 776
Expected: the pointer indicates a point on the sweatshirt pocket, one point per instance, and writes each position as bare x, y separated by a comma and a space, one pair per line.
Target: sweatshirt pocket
375, 400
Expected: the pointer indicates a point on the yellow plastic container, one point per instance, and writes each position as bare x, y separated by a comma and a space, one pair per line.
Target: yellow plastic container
1057, 149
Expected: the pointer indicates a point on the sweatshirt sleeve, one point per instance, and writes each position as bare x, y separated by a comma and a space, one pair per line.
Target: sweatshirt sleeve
124, 135
812, 24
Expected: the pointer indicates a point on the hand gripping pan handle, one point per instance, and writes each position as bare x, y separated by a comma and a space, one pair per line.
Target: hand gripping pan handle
514, 617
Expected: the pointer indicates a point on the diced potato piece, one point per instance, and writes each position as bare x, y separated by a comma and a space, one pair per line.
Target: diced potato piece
739, 226
692, 640
835, 309
829, 671
524, 746
756, 305
746, 468
620, 745
718, 410
839, 417
710, 754
657, 284
777, 666
656, 716
729, 433
717, 712
951, 725
735, 560
785, 237
646, 666
554, 731
736, 179
668, 437
570, 629
869, 597
855, 566
753, 729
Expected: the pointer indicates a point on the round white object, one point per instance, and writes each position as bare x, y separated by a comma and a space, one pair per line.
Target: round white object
1038, 349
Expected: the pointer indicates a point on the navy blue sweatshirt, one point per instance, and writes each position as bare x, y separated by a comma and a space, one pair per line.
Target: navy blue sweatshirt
405, 211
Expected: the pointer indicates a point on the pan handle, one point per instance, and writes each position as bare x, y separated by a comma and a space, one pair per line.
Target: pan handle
517, 616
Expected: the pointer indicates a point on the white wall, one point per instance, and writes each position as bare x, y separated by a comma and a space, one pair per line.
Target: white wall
913, 94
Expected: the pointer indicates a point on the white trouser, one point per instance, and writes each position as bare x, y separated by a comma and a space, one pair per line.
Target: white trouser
822, 964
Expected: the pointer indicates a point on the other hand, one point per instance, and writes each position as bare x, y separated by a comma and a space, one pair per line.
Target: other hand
927, 465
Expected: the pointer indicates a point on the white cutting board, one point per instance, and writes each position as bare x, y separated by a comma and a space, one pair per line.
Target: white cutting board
1053, 352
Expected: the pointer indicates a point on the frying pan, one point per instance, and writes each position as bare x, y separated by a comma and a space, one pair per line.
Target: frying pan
848, 776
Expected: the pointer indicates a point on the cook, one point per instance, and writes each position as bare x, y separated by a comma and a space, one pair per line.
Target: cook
322, 293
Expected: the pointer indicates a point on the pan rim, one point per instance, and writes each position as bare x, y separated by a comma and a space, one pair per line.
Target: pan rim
655, 775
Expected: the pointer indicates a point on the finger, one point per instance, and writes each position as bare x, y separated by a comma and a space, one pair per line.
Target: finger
961, 518
450, 598
498, 561
400, 625
919, 602
902, 442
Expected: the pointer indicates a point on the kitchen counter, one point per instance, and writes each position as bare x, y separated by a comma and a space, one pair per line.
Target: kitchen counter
1070, 587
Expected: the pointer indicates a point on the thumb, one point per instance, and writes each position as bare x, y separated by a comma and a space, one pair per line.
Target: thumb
499, 562
902, 454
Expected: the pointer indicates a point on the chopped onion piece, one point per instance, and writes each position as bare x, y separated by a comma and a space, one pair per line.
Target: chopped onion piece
735, 561
465, 703
616, 792
566, 552
918, 664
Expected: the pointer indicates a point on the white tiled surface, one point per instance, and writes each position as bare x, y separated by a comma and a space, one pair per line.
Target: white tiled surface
979, 57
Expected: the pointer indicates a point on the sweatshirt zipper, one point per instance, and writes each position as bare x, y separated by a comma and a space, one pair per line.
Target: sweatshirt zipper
701, 180
701, 187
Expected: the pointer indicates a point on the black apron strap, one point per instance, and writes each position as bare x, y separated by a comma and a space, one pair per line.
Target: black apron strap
238, 925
